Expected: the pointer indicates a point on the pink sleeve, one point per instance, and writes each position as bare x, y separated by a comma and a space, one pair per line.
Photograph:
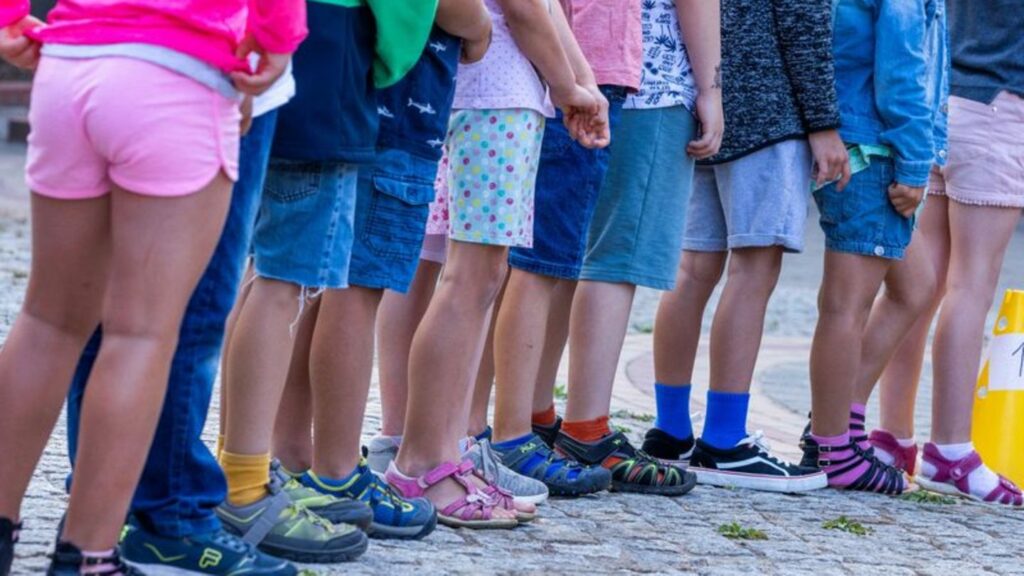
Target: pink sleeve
12, 10
278, 26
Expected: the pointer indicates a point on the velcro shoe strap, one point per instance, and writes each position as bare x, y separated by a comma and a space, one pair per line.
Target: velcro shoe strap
263, 525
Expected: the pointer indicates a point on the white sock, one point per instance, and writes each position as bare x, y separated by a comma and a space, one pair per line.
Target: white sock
906, 442
888, 458
465, 444
104, 568
982, 481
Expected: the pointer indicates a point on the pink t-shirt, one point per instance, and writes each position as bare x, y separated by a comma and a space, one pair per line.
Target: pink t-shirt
504, 79
209, 30
610, 35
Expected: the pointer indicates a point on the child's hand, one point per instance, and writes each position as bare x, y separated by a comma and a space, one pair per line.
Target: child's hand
712, 125
831, 161
905, 199
574, 99
591, 130
18, 49
271, 67
246, 108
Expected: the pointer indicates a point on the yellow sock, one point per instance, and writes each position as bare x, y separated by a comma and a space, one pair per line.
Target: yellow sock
247, 476
220, 446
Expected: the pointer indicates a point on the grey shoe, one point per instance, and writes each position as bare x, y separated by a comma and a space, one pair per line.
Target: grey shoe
331, 508
279, 527
381, 451
524, 490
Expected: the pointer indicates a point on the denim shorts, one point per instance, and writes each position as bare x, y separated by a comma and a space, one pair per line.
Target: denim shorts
861, 219
758, 200
568, 181
304, 227
392, 206
637, 233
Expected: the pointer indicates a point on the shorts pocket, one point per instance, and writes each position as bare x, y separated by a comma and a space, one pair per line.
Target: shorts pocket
397, 218
291, 181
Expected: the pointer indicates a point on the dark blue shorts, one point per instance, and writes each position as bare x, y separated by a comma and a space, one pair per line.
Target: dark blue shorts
568, 181
392, 206
861, 219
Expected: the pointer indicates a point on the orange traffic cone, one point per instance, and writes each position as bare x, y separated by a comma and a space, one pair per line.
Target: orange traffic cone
998, 425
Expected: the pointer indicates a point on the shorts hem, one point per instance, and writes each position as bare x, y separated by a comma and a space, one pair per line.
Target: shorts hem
379, 283
541, 268
52, 193
492, 241
787, 243
191, 186
318, 286
867, 249
619, 277
976, 198
704, 245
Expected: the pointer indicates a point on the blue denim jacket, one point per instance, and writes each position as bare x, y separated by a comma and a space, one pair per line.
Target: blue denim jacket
892, 78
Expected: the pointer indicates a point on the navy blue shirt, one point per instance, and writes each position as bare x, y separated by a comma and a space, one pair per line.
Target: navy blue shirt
333, 116
414, 113
986, 40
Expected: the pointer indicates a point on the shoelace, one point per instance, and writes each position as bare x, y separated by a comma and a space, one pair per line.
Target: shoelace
758, 440
309, 516
382, 491
234, 543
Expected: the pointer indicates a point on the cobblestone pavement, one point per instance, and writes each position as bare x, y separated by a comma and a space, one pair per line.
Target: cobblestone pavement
625, 533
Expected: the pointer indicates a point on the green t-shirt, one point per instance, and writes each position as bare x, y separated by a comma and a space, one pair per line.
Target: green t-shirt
403, 27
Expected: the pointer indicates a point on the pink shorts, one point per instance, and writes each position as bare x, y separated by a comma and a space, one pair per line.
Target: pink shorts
106, 122
985, 165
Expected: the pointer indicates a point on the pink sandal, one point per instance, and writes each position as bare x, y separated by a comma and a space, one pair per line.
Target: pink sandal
951, 478
502, 497
474, 510
903, 458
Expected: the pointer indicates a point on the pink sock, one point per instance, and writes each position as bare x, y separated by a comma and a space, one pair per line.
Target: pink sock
858, 432
105, 567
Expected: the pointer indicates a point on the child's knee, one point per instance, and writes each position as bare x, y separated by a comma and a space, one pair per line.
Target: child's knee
701, 270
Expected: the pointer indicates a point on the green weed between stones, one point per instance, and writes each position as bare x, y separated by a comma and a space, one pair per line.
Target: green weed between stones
926, 497
844, 524
734, 531
633, 416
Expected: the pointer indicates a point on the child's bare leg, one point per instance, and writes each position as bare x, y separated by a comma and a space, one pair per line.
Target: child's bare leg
293, 427
902, 373
979, 236
229, 334
844, 303
71, 254
341, 365
519, 346
444, 359
677, 325
555, 338
479, 401
399, 316
597, 330
151, 281
260, 354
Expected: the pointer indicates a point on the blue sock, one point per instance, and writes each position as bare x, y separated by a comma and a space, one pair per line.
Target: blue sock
513, 443
726, 421
673, 410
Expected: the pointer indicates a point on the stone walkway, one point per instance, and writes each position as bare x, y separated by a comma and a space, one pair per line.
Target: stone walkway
709, 532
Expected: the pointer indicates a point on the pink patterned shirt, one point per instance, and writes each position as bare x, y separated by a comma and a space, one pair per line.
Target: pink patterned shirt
611, 38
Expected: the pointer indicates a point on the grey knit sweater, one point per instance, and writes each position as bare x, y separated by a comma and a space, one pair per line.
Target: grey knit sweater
778, 79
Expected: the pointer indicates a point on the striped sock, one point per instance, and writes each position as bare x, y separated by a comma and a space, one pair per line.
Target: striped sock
850, 469
858, 431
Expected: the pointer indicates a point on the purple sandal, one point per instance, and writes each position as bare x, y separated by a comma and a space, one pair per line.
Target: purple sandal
903, 458
951, 478
473, 510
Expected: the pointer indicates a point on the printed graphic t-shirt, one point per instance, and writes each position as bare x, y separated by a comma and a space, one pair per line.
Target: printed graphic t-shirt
667, 79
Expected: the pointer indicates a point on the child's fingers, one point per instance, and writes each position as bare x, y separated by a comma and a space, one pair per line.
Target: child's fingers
252, 84
844, 179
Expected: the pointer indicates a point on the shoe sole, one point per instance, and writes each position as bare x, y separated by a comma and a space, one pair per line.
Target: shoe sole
383, 532
348, 554
680, 490
361, 521
452, 522
760, 482
164, 570
950, 490
535, 500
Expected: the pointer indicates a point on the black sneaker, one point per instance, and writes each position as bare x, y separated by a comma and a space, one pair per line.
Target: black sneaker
632, 470
67, 560
8, 538
750, 464
548, 433
668, 448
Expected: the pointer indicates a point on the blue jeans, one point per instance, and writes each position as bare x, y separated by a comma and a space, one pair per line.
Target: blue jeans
568, 182
182, 482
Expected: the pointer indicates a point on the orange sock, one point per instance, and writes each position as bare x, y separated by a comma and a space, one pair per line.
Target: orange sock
587, 430
545, 417
247, 476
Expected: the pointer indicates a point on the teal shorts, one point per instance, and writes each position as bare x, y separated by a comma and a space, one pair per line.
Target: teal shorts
637, 232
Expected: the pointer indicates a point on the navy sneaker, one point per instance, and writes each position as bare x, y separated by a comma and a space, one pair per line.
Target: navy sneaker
217, 553
393, 516
668, 448
67, 560
8, 538
750, 464
563, 477
548, 433
632, 470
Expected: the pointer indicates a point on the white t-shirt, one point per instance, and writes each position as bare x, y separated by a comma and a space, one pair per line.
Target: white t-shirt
667, 78
276, 96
